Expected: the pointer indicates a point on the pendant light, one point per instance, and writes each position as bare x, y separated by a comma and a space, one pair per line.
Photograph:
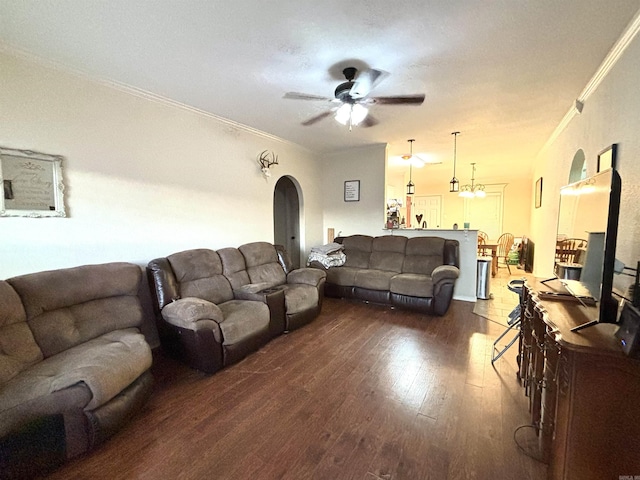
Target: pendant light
454, 184
411, 188
473, 190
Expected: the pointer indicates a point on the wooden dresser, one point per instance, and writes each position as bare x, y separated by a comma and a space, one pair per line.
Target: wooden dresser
584, 391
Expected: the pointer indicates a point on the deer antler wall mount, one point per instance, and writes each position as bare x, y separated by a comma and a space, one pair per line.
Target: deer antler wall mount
265, 160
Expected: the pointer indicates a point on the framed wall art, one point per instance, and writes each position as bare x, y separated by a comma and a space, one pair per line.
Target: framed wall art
352, 191
32, 184
538, 199
607, 158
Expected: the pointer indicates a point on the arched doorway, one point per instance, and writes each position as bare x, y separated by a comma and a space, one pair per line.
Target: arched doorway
578, 167
286, 218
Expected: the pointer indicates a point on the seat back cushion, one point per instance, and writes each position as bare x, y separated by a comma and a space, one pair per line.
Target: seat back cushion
423, 255
234, 267
70, 306
262, 264
199, 274
388, 253
357, 249
18, 348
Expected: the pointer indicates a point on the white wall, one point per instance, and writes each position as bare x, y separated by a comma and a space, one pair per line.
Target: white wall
366, 164
144, 178
611, 114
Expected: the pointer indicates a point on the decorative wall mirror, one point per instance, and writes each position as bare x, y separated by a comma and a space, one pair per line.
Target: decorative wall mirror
32, 184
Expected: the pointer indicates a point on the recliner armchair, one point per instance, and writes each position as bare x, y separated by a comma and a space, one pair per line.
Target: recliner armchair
215, 307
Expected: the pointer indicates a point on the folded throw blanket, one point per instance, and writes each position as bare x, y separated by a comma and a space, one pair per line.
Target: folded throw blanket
328, 249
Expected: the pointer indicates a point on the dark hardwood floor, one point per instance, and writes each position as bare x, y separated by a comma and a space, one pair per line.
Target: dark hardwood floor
364, 392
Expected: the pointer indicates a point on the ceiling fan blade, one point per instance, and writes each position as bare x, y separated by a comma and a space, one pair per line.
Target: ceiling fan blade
306, 96
369, 121
416, 99
317, 118
366, 82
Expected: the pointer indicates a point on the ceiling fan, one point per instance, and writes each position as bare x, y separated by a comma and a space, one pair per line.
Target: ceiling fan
352, 98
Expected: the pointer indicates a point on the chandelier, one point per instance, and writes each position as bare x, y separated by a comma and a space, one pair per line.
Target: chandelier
473, 189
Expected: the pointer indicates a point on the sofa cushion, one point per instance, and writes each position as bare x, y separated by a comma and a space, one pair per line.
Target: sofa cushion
67, 307
344, 276
199, 273
389, 261
187, 312
357, 249
374, 279
75, 397
389, 243
262, 263
106, 364
234, 267
300, 297
444, 272
412, 284
308, 276
242, 319
18, 348
423, 255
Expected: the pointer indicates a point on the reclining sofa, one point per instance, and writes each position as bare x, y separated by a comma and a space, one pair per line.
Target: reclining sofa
414, 273
73, 365
215, 307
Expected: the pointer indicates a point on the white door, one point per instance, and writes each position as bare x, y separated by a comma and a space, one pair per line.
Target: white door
485, 214
427, 209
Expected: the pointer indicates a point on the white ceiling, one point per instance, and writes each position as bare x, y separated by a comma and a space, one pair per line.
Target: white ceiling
502, 72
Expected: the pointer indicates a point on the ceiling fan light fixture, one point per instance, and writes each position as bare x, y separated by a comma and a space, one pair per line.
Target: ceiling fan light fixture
351, 114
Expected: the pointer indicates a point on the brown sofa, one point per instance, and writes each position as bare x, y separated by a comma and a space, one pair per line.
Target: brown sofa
73, 365
415, 273
215, 307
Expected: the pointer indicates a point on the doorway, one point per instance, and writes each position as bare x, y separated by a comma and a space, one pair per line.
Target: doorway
427, 208
286, 218
485, 213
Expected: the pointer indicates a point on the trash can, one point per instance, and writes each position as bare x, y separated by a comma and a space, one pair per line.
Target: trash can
483, 278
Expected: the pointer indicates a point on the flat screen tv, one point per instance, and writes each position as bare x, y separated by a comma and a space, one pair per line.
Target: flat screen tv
589, 212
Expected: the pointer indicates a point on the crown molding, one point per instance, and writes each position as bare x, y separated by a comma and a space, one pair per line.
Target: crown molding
603, 70
138, 92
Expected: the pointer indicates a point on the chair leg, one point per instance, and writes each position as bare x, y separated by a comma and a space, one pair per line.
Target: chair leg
506, 260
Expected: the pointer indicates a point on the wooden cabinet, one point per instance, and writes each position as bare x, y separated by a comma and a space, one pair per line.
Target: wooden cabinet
584, 391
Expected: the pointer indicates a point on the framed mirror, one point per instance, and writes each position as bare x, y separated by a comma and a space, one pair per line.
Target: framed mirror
32, 184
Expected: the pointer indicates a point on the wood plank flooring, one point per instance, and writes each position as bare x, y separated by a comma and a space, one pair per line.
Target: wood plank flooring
364, 392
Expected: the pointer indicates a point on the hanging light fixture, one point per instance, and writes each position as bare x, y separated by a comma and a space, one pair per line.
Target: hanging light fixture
411, 188
454, 184
472, 190
411, 158
352, 114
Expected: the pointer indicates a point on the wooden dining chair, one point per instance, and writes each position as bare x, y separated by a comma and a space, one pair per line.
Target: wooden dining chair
505, 242
570, 250
482, 240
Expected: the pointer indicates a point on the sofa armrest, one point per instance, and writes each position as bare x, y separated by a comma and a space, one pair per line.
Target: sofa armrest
193, 314
445, 272
308, 276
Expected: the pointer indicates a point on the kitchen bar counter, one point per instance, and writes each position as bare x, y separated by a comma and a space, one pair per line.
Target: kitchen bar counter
465, 288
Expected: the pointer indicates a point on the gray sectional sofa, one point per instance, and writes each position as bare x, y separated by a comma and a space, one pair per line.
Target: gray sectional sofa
215, 307
74, 366
415, 273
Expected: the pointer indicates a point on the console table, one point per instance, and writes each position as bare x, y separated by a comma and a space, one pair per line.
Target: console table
584, 392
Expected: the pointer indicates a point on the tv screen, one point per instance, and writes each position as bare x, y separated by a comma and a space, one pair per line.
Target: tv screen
586, 241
